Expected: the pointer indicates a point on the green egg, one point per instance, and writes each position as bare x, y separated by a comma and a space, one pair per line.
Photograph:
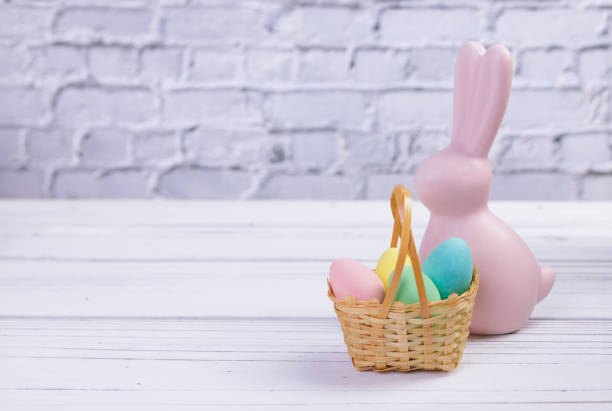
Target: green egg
407, 290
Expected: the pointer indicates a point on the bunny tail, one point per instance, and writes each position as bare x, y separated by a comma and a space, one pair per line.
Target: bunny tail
547, 280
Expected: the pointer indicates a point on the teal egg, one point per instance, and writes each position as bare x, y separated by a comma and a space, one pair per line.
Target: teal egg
450, 267
407, 290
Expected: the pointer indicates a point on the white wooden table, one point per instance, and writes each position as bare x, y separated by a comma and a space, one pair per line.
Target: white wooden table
194, 305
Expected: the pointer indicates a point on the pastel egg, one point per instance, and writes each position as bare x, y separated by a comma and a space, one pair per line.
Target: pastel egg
386, 264
450, 267
349, 277
407, 291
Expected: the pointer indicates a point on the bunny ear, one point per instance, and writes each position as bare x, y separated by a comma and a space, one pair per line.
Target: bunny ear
465, 80
475, 125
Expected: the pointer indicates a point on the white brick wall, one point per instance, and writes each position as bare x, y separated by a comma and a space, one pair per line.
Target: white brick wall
291, 99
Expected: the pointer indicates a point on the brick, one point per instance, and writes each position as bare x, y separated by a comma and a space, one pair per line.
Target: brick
435, 65
113, 3
90, 184
59, 61
380, 66
596, 64
415, 25
563, 26
89, 105
544, 65
317, 109
154, 147
546, 108
497, 151
215, 146
318, 25
368, 150
311, 187
425, 143
50, 146
584, 150
21, 184
14, 63
323, 66
314, 150
269, 65
211, 65
105, 147
22, 105
415, 108
210, 106
193, 182
421, 145
529, 152
113, 62
161, 63
608, 104
10, 152
104, 22
532, 186
276, 151
214, 25
597, 187
24, 22
380, 186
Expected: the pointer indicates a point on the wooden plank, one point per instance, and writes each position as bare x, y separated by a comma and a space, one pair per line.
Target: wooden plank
287, 362
280, 213
142, 400
111, 243
275, 340
240, 288
156, 231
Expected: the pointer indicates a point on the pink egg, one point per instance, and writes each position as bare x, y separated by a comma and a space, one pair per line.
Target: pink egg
349, 277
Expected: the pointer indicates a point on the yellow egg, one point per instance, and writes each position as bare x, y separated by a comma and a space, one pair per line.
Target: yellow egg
386, 264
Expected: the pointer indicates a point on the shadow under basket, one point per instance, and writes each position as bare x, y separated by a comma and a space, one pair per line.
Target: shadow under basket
399, 337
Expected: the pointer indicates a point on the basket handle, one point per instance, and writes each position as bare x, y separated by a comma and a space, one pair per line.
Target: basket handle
401, 208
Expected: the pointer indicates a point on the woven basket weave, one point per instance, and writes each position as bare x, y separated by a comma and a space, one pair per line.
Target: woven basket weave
394, 336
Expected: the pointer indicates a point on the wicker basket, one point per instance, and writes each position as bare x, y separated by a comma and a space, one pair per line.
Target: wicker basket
394, 336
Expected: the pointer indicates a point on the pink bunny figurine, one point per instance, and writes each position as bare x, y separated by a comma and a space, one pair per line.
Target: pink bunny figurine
455, 183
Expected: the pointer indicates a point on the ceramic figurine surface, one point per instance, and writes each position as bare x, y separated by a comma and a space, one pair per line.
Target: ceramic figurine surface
455, 183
